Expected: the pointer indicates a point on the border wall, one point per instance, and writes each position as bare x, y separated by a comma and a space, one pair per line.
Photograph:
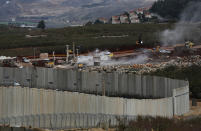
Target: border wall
99, 83
50, 108
56, 98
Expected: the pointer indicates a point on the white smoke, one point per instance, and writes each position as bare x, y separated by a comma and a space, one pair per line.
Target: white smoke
188, 28
141, 59
89, 59
7, 2
106, 60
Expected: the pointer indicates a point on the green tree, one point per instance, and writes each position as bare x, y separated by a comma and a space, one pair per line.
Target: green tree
41, 24
170, 9
98, 22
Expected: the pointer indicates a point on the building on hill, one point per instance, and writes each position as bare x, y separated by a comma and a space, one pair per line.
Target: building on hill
124, 19
133, 15
140, 11
148, 15
116, 20
135, 20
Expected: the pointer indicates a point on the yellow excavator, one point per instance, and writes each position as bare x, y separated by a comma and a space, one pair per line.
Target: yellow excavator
189, 44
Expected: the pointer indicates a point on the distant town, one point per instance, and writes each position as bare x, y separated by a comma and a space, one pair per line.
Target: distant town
134, 16
139, 15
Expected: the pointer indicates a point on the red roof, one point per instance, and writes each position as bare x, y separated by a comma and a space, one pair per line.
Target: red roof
115, 17
124, 15
103, 19
140, 9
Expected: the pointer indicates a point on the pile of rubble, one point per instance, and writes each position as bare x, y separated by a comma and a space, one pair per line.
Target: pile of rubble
151, 66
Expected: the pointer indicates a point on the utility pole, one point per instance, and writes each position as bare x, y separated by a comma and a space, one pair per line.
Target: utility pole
53, 56
73, 52
77, 53
67, 53
103, 84
34, 49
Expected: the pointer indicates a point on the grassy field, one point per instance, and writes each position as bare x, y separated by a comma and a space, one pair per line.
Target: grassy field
87, 37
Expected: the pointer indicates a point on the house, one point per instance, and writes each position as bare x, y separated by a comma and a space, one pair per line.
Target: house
135, 20
124, 19
133, 15
27, 26
148, 15
116, 20
140, 11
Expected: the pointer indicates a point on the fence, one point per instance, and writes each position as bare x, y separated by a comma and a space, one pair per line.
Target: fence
61, 109
110, 84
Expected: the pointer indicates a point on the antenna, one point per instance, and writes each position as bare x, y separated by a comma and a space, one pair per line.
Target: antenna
53, 53
77, 53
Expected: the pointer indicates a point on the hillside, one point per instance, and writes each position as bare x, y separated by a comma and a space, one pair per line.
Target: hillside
170, 9
112, 37
60, 13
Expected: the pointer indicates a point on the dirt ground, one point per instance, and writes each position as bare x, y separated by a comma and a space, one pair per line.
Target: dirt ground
194, 110
92, 129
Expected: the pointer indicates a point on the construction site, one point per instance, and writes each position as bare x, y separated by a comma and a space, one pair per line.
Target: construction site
90, 90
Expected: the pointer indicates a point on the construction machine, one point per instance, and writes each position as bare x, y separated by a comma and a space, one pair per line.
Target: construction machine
189, 44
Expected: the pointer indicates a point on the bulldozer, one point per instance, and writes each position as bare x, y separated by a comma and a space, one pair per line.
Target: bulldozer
186, 48
189, 44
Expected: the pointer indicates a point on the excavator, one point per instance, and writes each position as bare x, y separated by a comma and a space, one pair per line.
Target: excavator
189, 44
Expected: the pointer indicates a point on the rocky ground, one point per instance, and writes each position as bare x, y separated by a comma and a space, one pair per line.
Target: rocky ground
151, 65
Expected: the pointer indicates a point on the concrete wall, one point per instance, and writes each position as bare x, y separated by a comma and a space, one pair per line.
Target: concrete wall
63, 121
53, 98
181, 100
19, 105
17, 101
113, 84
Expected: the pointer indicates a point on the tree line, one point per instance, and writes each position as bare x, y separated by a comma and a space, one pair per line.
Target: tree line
170, 9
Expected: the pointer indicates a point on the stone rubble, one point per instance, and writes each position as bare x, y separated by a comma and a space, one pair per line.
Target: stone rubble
150, 66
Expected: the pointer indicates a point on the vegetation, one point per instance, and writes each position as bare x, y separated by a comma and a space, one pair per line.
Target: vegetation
88, 37
192, 74
41, 24
161, 124
170, 9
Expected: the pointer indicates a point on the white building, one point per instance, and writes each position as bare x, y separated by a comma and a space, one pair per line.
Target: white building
116, 20
135, 20
140, 11
124, 19
148, 15
133, 15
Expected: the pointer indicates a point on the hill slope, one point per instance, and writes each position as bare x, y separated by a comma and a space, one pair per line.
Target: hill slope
64, 12
113, 37
170, 9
